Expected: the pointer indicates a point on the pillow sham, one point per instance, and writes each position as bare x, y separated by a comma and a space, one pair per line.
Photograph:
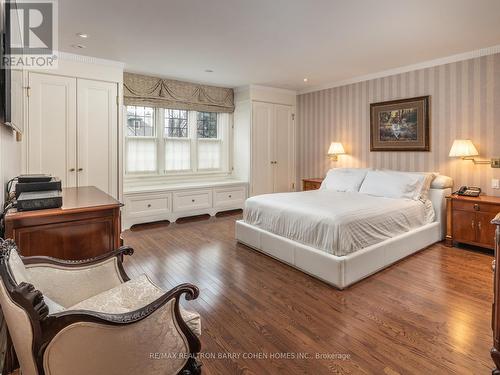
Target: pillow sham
344, 179
393, 184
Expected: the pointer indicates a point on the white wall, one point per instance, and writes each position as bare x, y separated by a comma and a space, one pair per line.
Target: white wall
465, 103
10, 157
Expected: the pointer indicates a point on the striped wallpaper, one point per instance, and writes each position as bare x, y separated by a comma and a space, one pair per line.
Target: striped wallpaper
465, 103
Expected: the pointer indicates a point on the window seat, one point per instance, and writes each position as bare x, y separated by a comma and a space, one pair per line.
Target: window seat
156, 201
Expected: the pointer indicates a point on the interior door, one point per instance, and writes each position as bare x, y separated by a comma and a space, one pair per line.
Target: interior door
283, 148
97, 135
262, 155
51, 141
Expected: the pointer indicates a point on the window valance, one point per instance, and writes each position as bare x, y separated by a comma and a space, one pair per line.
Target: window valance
167, 93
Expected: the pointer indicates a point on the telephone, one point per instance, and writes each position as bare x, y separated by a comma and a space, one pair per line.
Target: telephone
469, 191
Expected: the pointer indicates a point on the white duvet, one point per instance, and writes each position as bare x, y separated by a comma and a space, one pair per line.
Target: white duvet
338, 223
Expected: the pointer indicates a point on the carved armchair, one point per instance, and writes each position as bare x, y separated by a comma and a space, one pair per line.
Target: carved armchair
88, 318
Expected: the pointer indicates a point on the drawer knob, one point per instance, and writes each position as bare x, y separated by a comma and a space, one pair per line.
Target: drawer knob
230, 196
149, 205
192, 200
476, 207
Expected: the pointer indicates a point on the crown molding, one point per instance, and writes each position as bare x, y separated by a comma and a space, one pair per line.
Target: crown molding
274, 89
264, 88
89, 59
408, 68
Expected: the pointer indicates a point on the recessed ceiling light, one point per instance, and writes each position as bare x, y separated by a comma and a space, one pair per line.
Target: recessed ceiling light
78, 46
305, 80
82, 35
209, 71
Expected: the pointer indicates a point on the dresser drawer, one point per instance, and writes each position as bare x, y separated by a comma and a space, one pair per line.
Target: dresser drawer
142, 205
229, 197
475, 206
192, 200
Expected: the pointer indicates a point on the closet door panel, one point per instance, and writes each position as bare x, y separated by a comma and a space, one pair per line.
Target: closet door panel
52, 126
262, 152
283, 148
97, 135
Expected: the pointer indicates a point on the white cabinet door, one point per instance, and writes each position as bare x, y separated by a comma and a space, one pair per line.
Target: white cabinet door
283, 142
52, 126
262, 130
97, 135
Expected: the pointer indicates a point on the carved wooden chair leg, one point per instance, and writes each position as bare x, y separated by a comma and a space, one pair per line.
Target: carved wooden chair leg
193, 367
10, 360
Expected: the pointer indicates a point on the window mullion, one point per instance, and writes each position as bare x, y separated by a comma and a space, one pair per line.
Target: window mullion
160, 141
194, 141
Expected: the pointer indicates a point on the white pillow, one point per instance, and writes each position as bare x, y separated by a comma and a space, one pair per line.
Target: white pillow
423, 193
392, 184
344, 179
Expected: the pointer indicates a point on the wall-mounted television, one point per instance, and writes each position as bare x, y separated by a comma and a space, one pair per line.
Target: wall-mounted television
5, 74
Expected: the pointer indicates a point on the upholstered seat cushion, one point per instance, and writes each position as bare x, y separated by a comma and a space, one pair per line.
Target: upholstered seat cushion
130, 296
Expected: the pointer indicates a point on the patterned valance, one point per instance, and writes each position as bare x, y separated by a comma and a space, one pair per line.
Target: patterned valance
167, 93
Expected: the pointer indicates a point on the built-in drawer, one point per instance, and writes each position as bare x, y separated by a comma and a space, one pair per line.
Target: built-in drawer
475, 206
192, 200
229, 197
148, 205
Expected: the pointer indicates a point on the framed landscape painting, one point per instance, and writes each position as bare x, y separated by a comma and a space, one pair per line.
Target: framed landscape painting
400, 125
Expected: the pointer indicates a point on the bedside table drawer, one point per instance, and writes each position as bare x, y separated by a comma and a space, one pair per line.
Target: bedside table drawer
475, 206
311, 183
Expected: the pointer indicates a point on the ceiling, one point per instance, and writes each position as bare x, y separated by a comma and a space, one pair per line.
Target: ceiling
275, 43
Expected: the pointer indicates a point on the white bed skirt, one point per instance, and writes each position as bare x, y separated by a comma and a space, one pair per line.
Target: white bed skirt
339, 271
342, 271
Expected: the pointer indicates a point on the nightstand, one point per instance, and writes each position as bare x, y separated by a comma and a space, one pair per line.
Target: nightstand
469, 220
311, 183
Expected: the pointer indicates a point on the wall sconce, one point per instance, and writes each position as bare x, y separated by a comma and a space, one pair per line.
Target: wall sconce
335, 149
465, 149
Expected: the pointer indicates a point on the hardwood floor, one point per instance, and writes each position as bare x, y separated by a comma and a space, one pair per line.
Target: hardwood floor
427, 314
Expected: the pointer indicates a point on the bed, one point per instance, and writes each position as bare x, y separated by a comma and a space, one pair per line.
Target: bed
342, 237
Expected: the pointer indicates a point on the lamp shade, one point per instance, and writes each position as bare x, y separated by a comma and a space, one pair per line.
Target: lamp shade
463, 148
336, 148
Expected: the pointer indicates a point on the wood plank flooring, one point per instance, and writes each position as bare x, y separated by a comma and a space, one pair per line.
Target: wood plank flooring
427, 314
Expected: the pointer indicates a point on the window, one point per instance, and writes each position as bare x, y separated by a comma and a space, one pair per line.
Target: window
207, 125
174, 141
177, 141
209, 145
141, 140
176, 123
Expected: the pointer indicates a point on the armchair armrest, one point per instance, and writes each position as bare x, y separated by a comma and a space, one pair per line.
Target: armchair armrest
155, 338
70, 281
